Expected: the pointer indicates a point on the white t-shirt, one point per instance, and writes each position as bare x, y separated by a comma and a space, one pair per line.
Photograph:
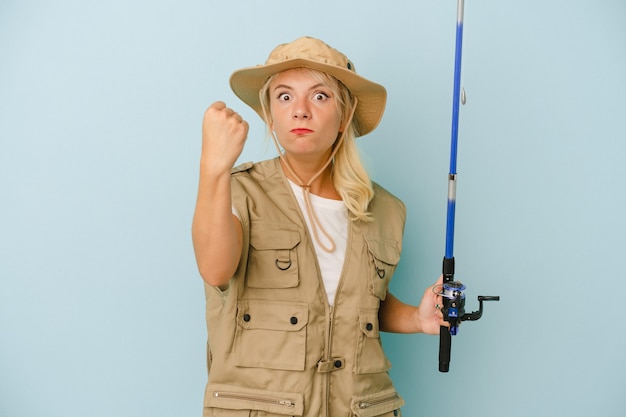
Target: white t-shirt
333, 215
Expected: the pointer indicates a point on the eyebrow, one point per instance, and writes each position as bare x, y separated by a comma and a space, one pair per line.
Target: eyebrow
287, 87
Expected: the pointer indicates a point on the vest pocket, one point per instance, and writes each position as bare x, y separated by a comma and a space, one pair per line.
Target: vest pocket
370, 357
273, 260
271, 334
385, 403
385, 255
234, 401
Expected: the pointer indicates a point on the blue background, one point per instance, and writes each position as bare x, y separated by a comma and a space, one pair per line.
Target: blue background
101, 306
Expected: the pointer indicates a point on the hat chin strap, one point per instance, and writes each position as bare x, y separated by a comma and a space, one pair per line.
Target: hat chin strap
306, 188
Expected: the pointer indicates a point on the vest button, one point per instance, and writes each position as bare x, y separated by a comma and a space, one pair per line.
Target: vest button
293, 320
338, 363
369, 327
246, 317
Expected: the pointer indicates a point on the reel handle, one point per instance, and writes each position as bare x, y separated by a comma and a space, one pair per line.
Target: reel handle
475, 315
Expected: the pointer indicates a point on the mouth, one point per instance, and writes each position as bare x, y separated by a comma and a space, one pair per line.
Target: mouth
301, 131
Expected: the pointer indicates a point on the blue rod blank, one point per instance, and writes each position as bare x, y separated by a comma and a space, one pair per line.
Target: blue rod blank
456, 97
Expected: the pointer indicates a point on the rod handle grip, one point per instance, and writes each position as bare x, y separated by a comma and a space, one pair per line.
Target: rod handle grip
445, 343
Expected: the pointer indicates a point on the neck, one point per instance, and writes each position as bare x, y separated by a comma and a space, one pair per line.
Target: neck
309, 175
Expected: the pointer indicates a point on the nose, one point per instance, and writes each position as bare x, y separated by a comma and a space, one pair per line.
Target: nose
301, 110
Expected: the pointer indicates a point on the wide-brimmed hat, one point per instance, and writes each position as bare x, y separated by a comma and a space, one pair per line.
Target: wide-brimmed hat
307, 52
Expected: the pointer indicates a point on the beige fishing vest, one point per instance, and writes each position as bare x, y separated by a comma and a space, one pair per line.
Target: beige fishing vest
276, 347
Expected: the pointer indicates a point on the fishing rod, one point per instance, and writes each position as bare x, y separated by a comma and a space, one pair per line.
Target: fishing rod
453, 298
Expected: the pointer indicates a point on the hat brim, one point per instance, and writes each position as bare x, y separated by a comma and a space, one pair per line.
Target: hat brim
372, 97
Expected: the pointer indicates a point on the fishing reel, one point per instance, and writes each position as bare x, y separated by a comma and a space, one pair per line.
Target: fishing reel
453, 308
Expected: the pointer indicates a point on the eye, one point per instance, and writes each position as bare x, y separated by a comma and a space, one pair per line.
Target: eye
284, 97
320, 96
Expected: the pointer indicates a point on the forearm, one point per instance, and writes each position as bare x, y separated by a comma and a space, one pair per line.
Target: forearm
397, 317
216, 233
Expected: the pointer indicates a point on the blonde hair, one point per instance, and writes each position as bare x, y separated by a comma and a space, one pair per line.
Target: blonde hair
349, 176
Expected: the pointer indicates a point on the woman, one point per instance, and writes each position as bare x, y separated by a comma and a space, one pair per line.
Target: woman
297, 251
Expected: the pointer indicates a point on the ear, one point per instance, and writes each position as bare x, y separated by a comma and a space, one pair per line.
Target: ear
269, 122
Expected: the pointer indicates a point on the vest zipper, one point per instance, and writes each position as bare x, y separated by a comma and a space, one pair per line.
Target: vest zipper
331, 312
245, 397
378, 401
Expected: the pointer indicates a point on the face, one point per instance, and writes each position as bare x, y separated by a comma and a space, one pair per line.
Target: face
304, 114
